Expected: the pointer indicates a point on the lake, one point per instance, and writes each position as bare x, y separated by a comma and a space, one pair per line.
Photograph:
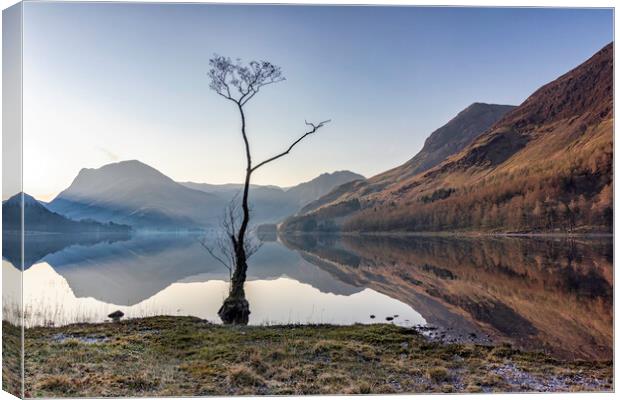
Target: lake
547, 294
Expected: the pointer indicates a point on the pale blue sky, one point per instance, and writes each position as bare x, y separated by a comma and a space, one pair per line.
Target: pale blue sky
107, 82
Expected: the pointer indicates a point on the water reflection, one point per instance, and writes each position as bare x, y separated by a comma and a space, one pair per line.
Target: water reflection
37, 246
128, 272
174, 275
553, 295
548, 294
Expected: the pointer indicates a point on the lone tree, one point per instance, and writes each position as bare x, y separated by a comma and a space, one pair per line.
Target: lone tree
239, 83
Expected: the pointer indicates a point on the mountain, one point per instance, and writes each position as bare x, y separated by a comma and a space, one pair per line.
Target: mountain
37, 218
318, 187
451, 138
544, 166
272, 203
133, 193
269, 203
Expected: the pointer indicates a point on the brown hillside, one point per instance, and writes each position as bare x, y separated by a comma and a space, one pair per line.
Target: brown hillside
545, 166
451, 138
448, 140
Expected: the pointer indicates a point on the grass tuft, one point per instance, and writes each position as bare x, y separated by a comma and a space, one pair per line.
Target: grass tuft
242, 376
59, 384
438, 374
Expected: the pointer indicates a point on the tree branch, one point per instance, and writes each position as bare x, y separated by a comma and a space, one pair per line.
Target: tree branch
212, 253
225, 96
253, 90
310, 132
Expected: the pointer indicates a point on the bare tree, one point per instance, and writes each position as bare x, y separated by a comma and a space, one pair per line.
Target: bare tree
239, 83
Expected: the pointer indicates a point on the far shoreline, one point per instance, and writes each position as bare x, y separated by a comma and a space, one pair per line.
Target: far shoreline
464, 234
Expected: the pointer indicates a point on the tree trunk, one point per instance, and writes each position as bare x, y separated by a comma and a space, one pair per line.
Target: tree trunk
236, 309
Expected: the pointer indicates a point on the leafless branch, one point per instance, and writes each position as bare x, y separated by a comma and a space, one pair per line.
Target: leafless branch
255, 90
222, 246
213, 254
315, 127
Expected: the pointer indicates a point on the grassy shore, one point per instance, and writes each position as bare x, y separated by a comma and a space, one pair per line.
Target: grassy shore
162, 356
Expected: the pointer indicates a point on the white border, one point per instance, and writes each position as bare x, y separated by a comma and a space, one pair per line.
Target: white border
483, 3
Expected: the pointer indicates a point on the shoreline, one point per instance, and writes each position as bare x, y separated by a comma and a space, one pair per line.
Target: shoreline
189, 356
464, 234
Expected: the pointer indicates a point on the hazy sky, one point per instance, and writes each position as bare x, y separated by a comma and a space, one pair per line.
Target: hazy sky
109, 82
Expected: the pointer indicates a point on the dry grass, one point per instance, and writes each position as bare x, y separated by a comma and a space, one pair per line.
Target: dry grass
184, 356
11, 359
438, 374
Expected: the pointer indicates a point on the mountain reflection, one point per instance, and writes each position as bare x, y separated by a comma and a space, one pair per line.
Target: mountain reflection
126, 272
37, 246
548, 294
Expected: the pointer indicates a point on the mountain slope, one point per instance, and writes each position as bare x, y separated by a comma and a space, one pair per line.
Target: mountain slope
37, 218
268, 203
451, 138
546, 165
272, 203
134, 193
318, 187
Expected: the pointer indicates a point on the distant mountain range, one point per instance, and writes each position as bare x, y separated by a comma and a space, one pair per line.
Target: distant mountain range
545, 165
39, 219
273, 203
135, 194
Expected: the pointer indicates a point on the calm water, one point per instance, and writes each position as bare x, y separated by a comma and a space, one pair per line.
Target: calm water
552, 295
